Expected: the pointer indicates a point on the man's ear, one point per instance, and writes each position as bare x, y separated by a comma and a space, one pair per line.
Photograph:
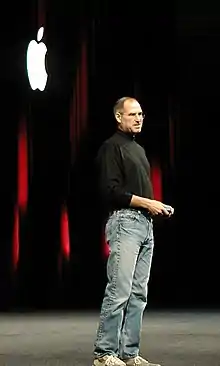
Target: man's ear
118, 117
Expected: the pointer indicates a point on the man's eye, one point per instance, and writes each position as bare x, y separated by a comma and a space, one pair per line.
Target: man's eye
140, 114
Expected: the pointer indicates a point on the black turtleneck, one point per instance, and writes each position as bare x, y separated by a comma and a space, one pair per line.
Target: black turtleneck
123, 171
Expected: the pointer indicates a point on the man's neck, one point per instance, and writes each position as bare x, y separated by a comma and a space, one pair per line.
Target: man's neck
127, 134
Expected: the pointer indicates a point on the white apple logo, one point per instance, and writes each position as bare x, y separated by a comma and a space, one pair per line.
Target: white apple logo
36, 69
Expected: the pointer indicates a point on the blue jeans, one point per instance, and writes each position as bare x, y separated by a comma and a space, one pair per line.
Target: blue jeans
130, 237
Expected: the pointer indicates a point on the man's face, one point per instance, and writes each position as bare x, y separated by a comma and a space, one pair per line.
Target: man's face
131, 118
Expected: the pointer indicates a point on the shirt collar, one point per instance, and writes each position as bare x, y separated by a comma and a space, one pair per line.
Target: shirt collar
127, 135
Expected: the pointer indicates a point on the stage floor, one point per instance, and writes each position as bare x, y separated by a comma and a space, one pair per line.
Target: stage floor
172, 338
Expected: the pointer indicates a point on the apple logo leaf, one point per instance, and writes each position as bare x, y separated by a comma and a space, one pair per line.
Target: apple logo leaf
40, 34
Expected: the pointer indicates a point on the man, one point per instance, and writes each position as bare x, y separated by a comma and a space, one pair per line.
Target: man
127, 196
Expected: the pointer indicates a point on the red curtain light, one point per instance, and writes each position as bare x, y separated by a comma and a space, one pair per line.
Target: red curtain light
64, 231
156, 177
22, 187
22, 166
105, 246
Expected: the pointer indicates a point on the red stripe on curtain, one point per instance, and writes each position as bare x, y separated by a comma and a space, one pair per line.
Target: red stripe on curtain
22, 165
78, 117
64, 232
156, 177
79, 101
105, 246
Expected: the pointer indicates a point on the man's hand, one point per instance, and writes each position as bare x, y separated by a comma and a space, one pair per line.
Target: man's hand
159, 208
153, 206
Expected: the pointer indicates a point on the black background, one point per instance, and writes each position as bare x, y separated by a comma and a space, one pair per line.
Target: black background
167, 56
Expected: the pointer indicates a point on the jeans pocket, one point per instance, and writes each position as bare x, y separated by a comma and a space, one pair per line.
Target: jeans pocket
129, 221
110, 227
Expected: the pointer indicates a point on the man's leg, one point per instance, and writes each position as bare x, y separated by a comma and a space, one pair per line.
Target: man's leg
125, 234
130, 336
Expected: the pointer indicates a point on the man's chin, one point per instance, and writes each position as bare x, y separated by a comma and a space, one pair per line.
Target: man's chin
136, 130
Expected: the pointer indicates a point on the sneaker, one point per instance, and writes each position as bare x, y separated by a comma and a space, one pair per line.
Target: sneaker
108, 360
139, 361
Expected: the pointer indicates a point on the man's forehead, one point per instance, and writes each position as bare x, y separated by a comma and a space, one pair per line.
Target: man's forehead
131, 104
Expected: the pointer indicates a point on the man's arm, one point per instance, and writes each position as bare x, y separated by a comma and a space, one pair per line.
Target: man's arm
137, 201
153, 206
110, 172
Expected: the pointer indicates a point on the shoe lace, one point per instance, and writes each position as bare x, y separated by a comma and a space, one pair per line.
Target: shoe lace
111, 360
137, 360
